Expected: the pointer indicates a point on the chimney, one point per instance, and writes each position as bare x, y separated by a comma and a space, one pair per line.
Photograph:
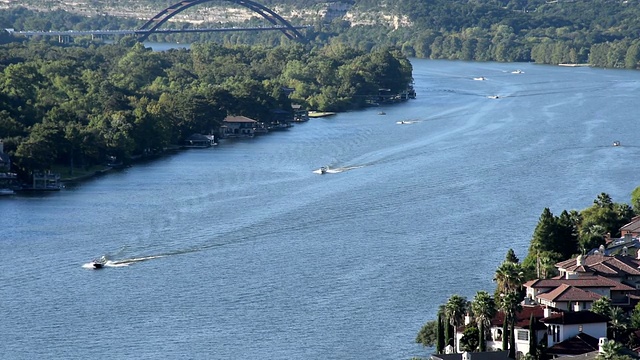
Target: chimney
579, 260
547, 312
601, 342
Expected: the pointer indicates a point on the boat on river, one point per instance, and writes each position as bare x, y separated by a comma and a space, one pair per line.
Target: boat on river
481, 78
323, 170
616, 143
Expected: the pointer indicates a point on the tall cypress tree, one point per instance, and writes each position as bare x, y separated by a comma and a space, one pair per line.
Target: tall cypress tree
533, 339
447, 332
440, 336
482, 342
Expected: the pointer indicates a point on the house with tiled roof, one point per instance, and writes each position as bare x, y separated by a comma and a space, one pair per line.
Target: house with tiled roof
549, 291
624, 269
567, 297
238, 127
566, 325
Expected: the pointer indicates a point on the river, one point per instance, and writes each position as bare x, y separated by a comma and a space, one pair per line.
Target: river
241, 251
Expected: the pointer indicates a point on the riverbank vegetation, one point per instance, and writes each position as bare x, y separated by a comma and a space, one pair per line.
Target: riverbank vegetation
79, 105
555, 238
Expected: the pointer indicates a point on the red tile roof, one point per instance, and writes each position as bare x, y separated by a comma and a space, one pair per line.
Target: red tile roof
581, 282
522, 317
606, 265
566, 293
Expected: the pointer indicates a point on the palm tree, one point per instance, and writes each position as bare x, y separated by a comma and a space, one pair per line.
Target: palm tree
509, 277
618, 321
510, 304
484, 309
455, 309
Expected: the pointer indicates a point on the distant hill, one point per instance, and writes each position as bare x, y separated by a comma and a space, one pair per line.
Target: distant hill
599, 32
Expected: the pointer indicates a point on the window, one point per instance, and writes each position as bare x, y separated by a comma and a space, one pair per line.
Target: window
523, 335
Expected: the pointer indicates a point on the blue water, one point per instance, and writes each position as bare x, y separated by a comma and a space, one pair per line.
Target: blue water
241, 251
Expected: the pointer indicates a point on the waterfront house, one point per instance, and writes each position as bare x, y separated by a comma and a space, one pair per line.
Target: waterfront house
237, 127
567, 330
575, 293
523, 318
624, 269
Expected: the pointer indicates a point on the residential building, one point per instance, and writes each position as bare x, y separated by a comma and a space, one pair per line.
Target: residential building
566, 330
238, 127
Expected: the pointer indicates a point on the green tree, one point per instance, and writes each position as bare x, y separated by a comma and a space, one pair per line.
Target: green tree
455, 309
428, 334
469, 339
511, 256
484, 309
441, 336
618, 322
602, 306
635, 317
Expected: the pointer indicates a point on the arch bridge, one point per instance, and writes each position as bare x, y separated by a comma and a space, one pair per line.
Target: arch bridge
163, 16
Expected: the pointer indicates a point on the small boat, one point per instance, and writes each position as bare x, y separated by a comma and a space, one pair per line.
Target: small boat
494, 97
481, 78
382, 113
517, 72
323, 170
616, 143
98, 264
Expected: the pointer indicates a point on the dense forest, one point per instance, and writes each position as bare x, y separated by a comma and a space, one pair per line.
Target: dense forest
80, 104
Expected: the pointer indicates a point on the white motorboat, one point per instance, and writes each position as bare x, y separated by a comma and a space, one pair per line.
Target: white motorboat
616, 143
323, 170
517, 72
481, 78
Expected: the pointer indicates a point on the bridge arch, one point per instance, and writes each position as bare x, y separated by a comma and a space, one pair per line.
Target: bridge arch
163, 16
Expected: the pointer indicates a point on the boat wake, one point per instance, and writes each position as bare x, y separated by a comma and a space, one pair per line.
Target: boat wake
337, 170
120, 263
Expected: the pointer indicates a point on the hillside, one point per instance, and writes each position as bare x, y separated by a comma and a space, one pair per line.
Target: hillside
600, 32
